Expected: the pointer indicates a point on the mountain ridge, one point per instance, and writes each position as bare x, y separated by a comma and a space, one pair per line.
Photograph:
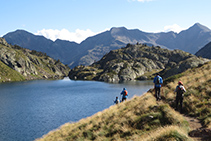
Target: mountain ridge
94, 47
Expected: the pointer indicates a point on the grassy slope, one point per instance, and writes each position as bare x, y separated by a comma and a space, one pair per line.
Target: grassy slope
197, 102
135, 119
8, 74
142, 118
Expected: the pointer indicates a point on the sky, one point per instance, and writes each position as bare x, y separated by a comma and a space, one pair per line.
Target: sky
75, 20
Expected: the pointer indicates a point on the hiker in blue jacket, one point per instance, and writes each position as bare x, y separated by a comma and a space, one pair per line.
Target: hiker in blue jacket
158, 81
124, 94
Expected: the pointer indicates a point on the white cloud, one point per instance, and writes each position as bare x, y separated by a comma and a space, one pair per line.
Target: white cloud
176, 28
77, 36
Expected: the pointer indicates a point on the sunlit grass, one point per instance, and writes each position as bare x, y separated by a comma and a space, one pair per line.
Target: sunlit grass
126, 120
8, 74
173, 133
197, 100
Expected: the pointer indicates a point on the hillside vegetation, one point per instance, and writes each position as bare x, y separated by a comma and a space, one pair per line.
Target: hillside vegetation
17, 64
137, 119
8, 74
142, 118
197, 101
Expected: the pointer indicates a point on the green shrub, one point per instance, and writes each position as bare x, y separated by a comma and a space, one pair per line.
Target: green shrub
173, 135
173, 78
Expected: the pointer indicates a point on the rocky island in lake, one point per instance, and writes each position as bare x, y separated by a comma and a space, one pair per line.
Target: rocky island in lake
137, 62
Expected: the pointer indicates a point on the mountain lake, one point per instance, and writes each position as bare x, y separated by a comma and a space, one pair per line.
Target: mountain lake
30, 109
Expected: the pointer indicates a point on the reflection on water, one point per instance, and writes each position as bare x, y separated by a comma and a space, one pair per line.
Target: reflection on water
32, 109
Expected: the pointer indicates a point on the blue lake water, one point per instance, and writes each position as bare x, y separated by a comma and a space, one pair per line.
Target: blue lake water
28, 110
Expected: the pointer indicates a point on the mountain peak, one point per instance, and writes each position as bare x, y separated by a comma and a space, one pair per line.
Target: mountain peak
116, 30
198, 26
17, 33
21, 31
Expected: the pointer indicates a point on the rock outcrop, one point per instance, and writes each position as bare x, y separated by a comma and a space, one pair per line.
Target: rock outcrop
137, 62
31, 64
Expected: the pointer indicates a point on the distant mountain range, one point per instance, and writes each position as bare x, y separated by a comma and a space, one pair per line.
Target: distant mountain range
93, 48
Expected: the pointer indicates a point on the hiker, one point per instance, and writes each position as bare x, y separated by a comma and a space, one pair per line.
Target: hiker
124, 94
180, 89
157, 81
117, 100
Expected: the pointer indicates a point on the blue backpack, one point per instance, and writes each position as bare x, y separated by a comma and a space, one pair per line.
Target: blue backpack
157, 81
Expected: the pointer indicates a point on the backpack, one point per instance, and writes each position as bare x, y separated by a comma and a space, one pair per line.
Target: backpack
125, 93
157, 81
180, 91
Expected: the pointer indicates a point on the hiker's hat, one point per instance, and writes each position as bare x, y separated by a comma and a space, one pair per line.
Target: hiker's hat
180, 83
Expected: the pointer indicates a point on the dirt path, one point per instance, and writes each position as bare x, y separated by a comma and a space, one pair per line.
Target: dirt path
197, 132
194, 125
193, 122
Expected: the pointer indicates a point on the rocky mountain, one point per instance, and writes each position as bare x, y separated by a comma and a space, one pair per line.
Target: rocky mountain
59, 49
137, 62
17, 63
205, 51
93, 48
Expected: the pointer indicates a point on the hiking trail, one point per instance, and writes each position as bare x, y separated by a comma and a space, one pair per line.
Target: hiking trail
194, 126
197, 131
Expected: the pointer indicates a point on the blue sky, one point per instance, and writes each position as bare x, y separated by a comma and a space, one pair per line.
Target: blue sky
75, 20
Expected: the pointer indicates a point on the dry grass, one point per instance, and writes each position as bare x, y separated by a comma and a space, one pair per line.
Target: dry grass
129, 120
197, 100
170, 133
